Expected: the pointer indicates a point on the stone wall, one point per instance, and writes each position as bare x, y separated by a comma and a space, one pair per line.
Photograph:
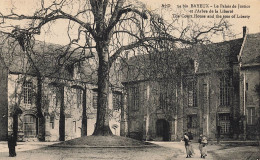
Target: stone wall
250, 99
51, 104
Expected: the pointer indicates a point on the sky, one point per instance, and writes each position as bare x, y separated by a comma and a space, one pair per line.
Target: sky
240, 13
238, 17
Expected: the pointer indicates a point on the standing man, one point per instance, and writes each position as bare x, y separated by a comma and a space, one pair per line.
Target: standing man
11, 145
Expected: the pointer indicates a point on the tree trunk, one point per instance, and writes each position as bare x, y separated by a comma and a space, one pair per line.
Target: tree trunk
62, 114
41, 134
102, 123
84, 115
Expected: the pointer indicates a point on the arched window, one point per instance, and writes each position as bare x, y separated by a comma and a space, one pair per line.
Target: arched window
29, 124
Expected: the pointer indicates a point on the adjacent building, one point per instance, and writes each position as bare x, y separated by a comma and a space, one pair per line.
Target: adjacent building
204, 89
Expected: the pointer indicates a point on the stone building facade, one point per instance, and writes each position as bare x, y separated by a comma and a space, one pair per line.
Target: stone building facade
69, 96
214, 94
66, 96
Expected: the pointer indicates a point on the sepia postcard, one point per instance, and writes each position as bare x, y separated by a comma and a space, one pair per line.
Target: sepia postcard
130, 79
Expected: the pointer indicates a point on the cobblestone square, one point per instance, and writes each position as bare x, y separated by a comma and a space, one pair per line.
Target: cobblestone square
164, 151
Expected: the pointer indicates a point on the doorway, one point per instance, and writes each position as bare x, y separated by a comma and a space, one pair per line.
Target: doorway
29, 126
163, 129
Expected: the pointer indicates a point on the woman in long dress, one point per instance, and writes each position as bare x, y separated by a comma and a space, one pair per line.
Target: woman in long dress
187, 145
204, 143
200, 145
190, 143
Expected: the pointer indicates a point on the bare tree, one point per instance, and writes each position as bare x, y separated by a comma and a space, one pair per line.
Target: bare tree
109, 28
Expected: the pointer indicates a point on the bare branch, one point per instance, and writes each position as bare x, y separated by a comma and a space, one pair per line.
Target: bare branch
120, 13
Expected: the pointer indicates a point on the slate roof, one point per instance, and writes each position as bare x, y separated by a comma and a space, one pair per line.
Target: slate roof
210, 57
250, 54
218, 56
46, 58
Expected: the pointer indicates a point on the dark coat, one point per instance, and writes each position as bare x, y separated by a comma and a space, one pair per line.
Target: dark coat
199, 140
186, 140
11, 142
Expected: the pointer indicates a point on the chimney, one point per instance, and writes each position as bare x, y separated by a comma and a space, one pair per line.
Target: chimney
244, 31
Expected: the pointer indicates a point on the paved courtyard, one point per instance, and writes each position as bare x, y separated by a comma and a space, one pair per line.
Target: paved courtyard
165, 151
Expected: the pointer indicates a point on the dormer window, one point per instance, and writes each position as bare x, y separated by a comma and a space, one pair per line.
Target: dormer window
76, 74
70, 69
73, 70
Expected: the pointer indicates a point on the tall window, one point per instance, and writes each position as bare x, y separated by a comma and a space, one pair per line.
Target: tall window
95, 97
29, 126
225, 91
192, 121
134, 91
79, 98
224, 123
192, 94
27, 93
145, 91
163, 101
52, 118
251, 116
166, 95
117, 100
75, 126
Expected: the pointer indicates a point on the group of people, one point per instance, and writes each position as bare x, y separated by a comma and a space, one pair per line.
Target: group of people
189, 147
187, 140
